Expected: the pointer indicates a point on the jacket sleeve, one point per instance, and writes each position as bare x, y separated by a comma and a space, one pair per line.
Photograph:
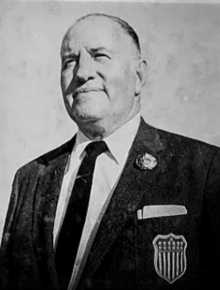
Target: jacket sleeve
7, 237
210, 227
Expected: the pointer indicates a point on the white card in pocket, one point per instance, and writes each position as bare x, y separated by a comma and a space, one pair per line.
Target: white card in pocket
153, 211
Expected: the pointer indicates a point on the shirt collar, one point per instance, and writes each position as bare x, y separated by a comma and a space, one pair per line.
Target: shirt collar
119, 142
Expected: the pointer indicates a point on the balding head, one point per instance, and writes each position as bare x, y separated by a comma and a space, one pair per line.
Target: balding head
124, 27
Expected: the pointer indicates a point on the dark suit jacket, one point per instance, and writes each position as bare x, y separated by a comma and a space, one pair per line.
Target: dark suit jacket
123, 255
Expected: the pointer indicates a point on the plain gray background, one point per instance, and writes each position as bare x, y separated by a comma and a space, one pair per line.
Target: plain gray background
181, 43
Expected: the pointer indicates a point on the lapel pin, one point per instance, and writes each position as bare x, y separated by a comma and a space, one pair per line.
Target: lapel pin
146, 161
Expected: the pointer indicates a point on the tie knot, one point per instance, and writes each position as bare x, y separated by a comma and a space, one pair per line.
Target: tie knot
96, 148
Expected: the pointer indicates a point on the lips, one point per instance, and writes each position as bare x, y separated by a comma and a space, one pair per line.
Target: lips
86, 90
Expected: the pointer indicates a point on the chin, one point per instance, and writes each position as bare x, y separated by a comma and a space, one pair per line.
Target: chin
84, 117
87, 113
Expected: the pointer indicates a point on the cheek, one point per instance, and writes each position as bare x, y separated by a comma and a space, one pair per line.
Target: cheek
68, 100
120, 84
66, 79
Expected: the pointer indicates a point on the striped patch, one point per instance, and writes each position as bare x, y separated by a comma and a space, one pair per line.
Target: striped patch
170, 256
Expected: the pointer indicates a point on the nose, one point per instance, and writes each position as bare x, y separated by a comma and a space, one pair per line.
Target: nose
85, 68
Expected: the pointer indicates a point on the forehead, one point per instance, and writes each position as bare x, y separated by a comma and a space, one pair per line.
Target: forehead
96, 32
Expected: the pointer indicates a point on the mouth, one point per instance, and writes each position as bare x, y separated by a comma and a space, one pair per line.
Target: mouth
86, 90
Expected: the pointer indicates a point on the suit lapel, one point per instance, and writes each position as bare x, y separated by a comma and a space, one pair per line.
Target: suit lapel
133, 183
51, 172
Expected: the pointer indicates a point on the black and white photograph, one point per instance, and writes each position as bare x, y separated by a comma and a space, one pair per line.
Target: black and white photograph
110, 145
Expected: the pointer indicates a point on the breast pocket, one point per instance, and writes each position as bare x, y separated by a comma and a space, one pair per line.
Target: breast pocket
161, 241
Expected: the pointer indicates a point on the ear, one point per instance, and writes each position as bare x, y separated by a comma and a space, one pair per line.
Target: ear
141, 74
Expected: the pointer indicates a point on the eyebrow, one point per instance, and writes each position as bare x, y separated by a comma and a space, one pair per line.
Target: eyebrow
99, 48
91, 50
69, 55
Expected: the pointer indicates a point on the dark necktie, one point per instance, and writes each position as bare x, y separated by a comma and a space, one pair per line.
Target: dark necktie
72, 227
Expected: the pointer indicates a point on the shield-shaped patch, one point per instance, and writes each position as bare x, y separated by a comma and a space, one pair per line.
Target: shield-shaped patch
170, 256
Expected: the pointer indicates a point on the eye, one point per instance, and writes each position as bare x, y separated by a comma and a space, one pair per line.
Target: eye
101, 56
68, 63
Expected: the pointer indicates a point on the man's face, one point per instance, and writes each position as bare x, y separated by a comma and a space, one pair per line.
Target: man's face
98, 76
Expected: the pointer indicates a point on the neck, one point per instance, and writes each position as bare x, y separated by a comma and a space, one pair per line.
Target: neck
94, 133
97, 130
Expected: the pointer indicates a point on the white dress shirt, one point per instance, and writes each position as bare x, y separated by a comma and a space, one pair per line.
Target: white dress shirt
108, 169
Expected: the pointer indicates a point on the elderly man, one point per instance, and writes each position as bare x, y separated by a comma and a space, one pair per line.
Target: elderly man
122, 205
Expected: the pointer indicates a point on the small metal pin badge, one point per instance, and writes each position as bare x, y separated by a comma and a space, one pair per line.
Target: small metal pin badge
146, 161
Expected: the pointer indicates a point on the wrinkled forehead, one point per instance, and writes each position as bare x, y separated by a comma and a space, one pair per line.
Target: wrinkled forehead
93, 33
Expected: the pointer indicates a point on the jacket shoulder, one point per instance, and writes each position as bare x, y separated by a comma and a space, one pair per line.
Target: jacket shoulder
46, 158
185, 152
186, 145
163, 139
169, 144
